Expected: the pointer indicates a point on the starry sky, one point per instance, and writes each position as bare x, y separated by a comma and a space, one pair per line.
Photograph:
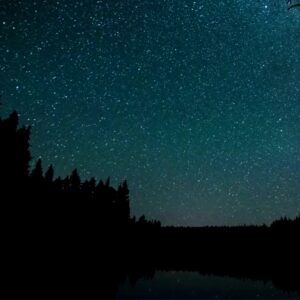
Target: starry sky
195, 103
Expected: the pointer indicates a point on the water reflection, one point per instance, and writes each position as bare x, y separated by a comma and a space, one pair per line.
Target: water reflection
192, 285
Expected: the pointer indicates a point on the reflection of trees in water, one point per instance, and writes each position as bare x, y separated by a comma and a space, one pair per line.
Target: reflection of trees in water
186, 285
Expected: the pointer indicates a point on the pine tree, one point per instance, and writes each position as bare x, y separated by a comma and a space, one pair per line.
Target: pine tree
75, 181
49, 174
37, 172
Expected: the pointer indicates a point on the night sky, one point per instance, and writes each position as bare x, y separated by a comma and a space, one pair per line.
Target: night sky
195, 103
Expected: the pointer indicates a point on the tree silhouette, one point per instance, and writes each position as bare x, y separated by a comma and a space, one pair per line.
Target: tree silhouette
123, 203
49, 174
14, 152
75, 181
37, 172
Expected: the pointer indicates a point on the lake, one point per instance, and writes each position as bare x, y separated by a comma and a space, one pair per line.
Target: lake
193, 285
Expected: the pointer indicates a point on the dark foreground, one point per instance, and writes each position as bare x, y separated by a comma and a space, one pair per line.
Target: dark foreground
57, 261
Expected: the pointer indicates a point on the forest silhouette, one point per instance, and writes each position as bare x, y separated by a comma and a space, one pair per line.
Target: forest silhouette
66, 238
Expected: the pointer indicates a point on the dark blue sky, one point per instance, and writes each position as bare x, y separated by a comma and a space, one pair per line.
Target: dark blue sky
195, 103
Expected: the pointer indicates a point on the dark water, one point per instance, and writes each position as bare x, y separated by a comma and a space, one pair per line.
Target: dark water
192, 285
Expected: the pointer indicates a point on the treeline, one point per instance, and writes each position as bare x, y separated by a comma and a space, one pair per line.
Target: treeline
286, 224
84, 201
61, 236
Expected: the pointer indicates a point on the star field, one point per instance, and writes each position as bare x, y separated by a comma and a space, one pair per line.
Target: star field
195, 103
